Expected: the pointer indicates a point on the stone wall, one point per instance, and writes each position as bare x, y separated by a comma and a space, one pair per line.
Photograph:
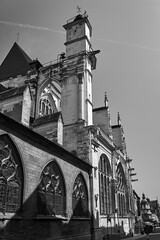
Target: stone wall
27, 224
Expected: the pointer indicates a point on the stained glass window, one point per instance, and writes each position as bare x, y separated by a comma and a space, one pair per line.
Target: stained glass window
10, 177
51, 191
121, 190
104, 185
44, 107
80, 198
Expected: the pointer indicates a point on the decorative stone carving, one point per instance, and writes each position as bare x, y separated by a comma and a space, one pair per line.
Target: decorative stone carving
51, 191
79, 198
10, 184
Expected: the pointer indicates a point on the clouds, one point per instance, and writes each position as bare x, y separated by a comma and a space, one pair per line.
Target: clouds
41, 28
31, 27
128, 44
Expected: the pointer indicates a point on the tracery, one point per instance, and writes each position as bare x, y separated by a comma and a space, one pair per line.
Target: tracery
10, 179
80, 197
51, 191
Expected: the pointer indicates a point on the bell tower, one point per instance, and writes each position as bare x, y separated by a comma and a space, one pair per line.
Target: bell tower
77, 77
78, 33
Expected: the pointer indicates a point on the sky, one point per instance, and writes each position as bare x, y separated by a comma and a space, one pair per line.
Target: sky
127, 33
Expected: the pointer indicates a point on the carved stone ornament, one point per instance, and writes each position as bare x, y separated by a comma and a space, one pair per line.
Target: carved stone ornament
51, 191
80, 77
79, 198
9, 182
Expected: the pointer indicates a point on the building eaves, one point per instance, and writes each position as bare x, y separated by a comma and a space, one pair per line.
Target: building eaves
102, 136
99, 109
105, 139
28, 135
12, 92
46, 119
116, 126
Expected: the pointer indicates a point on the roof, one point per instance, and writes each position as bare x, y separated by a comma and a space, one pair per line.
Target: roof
116, 126
15, 63
47, 118
12, 92
26, 134
100, 109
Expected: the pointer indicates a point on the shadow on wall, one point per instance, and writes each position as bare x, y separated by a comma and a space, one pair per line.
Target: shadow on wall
43, 214
29, 225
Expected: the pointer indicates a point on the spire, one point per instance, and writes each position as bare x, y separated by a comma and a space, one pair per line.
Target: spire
105, 100
119, 119
16, 63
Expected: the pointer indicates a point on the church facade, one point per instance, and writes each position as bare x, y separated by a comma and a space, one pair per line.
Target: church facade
64, 169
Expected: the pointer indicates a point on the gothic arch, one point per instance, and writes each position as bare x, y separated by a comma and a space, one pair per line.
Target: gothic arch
80, 197
105, 174
104, 165
42, 87
121, 180
19, 154
46, 105
121, 189
45, 83
11, 176
51, 193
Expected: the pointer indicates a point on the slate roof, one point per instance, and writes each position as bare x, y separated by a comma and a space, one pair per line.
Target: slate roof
47, 118
16, 63
12, 92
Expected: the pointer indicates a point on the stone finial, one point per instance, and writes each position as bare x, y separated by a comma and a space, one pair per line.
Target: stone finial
119, 119
143, 196
105, 100
78, 9
80, 77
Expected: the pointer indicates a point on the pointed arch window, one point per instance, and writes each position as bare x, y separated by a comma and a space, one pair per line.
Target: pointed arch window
80, 198
51, 191
11, 180
45, 106
121, 190
105, 185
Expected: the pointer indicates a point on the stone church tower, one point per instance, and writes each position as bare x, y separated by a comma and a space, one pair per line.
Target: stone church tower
77, 83
77, 80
